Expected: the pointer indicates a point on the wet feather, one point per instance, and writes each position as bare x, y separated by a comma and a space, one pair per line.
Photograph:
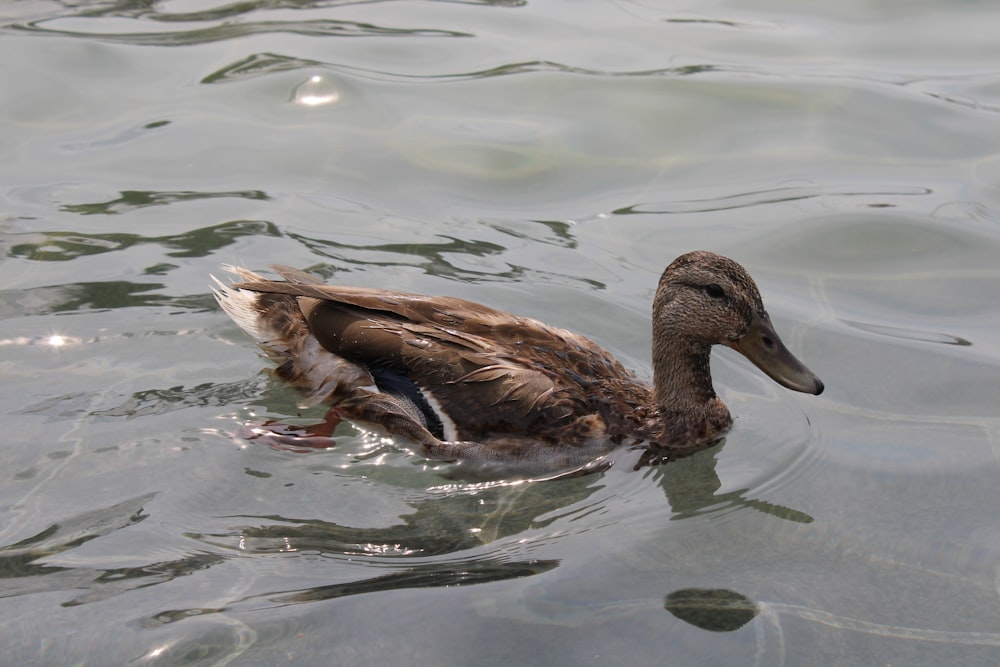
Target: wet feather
511, 389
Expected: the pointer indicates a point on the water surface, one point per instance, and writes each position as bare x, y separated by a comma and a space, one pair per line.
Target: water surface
548, 158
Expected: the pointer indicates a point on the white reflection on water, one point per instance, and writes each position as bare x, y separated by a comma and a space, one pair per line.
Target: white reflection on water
316, 91
53, 340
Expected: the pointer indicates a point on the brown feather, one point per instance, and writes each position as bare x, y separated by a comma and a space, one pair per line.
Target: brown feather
517, 390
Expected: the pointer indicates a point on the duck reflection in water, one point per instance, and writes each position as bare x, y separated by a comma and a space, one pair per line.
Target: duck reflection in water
466, 519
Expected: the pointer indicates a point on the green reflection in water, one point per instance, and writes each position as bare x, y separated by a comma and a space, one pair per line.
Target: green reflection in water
226, 31
65, 246
134, 199
258, 64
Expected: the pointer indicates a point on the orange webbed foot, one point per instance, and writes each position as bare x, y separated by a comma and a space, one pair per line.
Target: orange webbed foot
289, 438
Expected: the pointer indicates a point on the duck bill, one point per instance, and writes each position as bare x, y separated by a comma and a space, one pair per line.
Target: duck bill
764, 348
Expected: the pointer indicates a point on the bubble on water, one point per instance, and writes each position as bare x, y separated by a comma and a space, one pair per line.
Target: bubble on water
316, 91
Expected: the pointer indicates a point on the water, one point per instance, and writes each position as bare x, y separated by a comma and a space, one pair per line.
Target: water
547, 158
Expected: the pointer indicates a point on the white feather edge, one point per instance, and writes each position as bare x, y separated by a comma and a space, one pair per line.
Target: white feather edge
241, 306
447, 423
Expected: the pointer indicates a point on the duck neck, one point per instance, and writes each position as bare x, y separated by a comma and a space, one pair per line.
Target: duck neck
682, 378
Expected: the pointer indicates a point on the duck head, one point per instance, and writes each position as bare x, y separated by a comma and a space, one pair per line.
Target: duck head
704, 299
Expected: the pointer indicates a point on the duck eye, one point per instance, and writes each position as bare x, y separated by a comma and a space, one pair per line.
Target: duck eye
715, 290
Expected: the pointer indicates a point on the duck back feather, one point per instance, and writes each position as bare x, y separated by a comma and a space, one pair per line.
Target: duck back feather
470, 379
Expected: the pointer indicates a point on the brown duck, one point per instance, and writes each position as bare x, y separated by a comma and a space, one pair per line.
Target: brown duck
468, 383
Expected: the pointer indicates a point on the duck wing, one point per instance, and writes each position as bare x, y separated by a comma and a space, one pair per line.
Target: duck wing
486, 370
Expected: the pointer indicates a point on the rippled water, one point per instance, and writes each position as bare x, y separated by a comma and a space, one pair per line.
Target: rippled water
544, 157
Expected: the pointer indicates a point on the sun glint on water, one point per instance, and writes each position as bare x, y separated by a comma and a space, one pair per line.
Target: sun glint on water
316, 91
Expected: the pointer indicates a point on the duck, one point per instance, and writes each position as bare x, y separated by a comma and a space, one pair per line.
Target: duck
463, 382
